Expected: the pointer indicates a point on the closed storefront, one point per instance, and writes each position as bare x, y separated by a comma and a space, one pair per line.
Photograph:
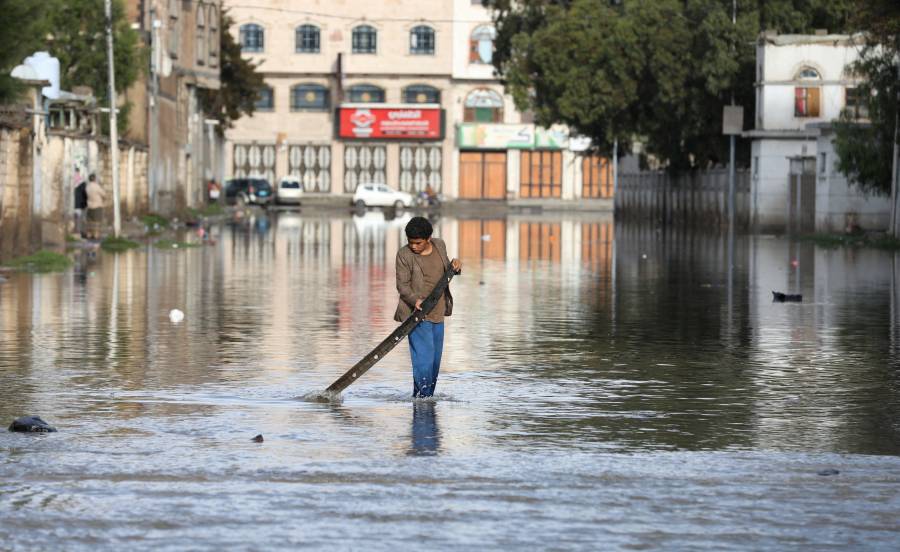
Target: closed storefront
420, 167
540, 174
482, 175
364, 163
368, 126
254, 160
312, 165
596, 177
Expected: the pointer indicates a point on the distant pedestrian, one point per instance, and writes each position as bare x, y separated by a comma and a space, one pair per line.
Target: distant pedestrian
213, 190
95, 197
420, 266
81, 201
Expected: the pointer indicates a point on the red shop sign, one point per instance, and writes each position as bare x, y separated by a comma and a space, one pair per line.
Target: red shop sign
399, 123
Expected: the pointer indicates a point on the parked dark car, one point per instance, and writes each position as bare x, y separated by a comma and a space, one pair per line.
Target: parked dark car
248, 191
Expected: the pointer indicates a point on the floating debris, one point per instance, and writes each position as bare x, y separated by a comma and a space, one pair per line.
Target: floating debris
778, 297
31, 424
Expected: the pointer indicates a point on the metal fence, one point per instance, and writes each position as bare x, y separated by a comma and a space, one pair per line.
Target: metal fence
699, 197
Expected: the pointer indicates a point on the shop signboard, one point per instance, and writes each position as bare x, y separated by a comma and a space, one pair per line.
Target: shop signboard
402, 122
509, 136
550, 138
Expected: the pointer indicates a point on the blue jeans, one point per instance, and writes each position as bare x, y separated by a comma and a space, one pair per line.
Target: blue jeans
426, 343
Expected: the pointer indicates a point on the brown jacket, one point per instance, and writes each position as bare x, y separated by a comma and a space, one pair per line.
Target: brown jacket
411, 279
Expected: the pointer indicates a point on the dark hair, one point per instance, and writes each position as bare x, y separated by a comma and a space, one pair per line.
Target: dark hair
93, 177
418, 228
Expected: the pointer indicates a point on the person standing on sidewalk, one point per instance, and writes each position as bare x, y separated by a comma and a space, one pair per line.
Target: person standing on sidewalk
420, 265
95, 197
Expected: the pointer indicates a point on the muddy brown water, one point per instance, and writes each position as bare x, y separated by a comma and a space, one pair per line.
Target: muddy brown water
603, 387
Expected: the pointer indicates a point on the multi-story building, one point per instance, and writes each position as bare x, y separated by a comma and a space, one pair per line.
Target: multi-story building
185, 151
398, 92
803, 83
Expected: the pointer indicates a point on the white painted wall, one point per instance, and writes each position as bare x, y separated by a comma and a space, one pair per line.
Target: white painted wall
769, 182
838, 203
783, 57
468, 17
780, 135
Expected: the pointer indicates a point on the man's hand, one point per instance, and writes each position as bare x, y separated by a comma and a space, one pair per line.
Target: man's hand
457, 265
419, 304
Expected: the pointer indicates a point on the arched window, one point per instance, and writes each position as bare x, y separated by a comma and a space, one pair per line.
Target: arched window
808, 73
252, 38
365, 40
483, 106
306, 39
310, 97
366, 93
265, 100
200, 38
481, 45
421, 40
174, 28
420, 93
213, 36
806, 96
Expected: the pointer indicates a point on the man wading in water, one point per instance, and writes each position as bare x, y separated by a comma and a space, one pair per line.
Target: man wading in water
420, 265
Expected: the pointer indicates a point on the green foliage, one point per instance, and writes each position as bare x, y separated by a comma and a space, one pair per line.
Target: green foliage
208, 210
833, 241
153, 219
22, 29
79, 41
866, 151
118, 244
240, 83
658, 70
42, 261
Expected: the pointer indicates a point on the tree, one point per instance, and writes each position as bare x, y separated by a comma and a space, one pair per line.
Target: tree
240, 86
22, 30
79, 41
865, 151
656, 70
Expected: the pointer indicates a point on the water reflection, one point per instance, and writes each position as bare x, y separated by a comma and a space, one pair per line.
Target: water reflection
638, 337
426, 437
572, 338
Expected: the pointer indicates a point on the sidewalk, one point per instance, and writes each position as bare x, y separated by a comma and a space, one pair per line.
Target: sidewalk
477, 206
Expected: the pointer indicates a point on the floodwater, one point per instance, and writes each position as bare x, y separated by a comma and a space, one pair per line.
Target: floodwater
603, 387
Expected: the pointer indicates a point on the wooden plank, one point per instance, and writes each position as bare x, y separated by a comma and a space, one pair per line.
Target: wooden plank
391, 341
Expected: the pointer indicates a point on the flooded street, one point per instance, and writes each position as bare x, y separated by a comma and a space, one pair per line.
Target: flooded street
603, 386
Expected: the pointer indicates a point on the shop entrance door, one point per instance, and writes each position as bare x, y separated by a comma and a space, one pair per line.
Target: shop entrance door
482, 175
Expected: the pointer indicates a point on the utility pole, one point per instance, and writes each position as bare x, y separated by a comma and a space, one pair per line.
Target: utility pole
731, 140
155, 68
615, 167
895, 172
113, 130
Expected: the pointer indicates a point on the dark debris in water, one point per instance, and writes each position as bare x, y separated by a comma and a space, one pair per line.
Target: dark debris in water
31, 424
829, 471
258, 439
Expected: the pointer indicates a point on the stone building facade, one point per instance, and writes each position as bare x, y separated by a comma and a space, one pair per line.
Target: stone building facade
182, 37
